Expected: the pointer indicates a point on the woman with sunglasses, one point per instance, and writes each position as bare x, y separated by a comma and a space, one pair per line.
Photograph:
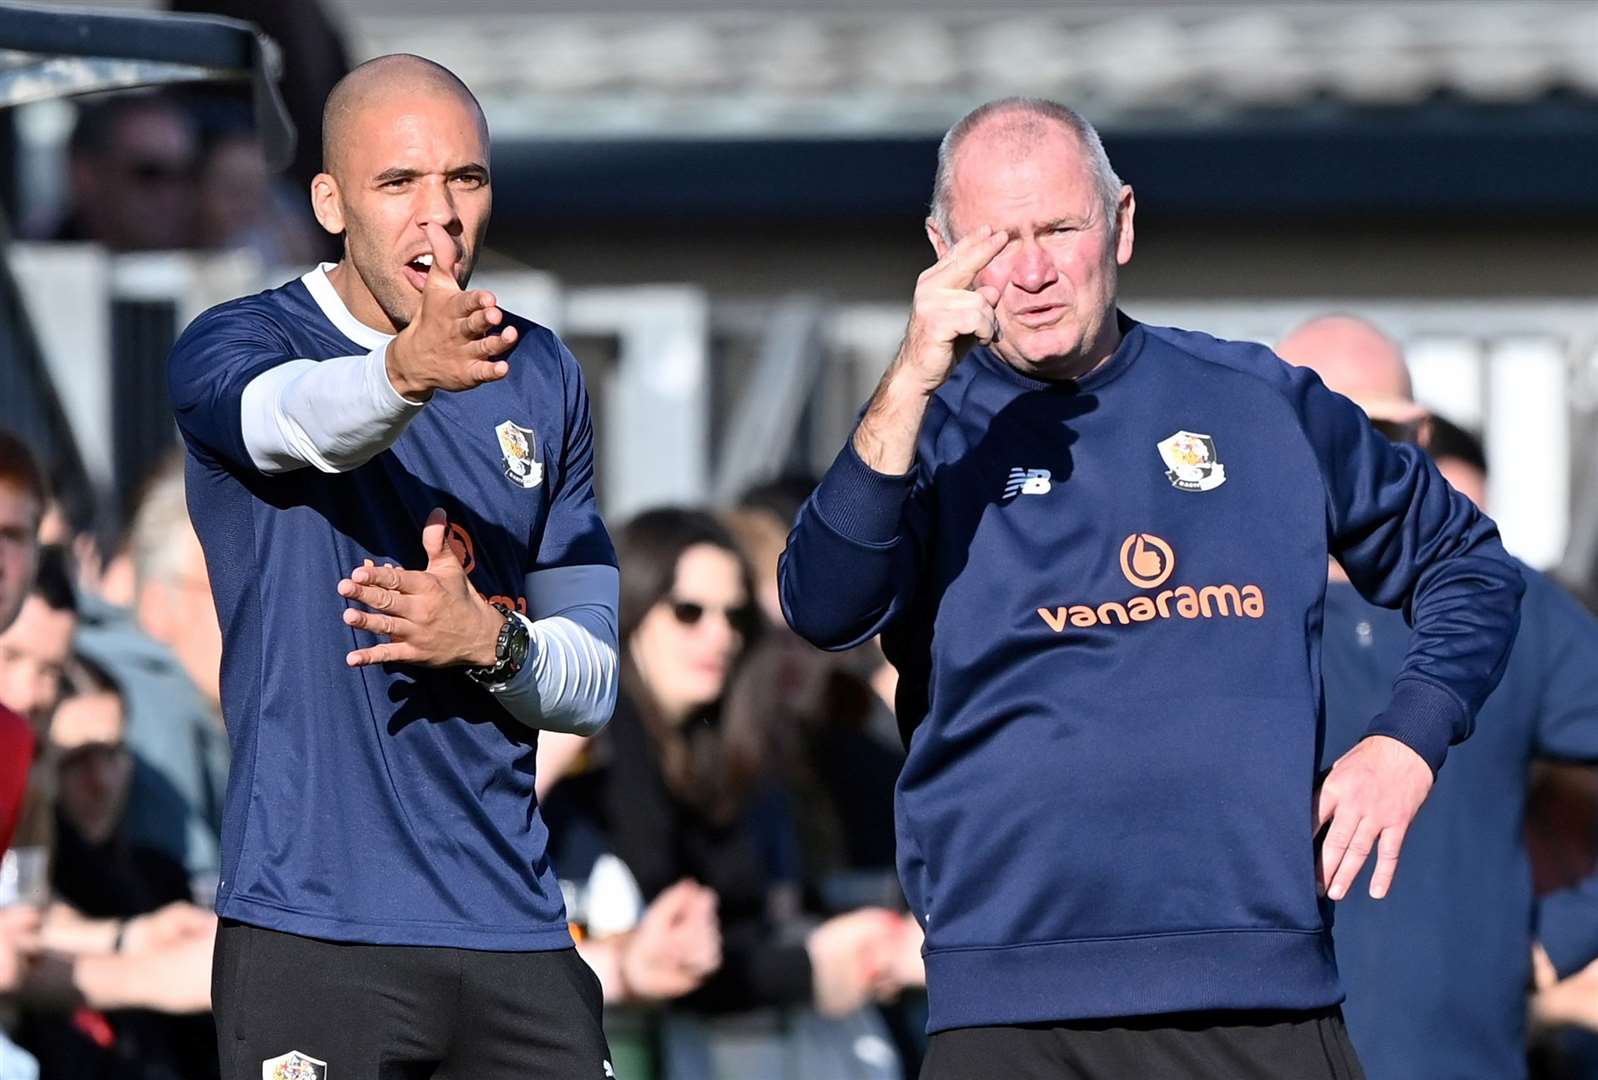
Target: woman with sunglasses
684, 786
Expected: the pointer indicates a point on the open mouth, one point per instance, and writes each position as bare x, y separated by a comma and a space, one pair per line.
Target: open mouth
416, 270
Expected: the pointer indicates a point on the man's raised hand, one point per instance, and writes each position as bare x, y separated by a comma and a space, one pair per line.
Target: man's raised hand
451, 343
950, 312
947, 317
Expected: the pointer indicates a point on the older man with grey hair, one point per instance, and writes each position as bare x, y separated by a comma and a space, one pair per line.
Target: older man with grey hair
1096, 552
166, 653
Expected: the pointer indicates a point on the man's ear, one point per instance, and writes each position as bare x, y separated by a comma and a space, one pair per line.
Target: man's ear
940, 243
327, 203
1125, 208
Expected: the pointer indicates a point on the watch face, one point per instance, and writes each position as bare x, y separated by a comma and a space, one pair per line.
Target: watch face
517, 647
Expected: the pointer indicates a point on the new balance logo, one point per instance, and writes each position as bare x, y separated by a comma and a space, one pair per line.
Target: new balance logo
1028, 482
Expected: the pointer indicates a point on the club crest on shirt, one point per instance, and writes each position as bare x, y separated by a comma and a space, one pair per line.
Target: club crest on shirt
293, 1066
516, 445
1190, 462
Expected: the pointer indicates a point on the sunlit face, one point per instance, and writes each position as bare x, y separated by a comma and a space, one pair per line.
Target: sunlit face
180, 613
19, 549
33, 654
685, 646
93, 766
1057, 277
417, 159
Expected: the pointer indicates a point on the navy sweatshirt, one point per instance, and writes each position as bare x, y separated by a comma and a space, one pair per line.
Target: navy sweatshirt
1436, 973
1104, 601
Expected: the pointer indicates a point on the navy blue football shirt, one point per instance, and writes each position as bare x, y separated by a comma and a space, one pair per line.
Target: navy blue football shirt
388, 804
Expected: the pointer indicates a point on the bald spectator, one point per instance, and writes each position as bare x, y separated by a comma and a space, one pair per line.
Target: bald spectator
131, 168
1437, 972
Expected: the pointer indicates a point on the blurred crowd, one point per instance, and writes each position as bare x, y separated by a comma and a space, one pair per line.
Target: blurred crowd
725, 845
155, 171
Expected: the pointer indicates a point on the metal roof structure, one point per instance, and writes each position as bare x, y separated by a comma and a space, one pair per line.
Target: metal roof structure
769, 68
52, 51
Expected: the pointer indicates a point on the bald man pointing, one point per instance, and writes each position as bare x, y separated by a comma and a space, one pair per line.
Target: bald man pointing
392, 479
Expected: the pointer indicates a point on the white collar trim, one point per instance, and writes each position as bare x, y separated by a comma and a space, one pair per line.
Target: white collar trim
327, 298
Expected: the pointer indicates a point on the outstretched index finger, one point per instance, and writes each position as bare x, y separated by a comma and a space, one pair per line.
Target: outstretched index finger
441, 275
967, 259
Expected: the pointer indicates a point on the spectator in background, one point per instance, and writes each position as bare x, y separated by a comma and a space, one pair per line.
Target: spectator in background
1459, 457
35, 649
102, 874
684, 787
166, 655
23, 495
1436, 973
64, 959
240, 208
314, 59
833, 743
131, 167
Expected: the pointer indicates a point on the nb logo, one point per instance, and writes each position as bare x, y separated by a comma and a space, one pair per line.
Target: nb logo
1028, 482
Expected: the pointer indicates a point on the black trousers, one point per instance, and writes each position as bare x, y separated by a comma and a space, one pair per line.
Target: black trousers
296, 1008
1179, 1046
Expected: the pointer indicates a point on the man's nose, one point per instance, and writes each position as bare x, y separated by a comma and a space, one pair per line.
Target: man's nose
438, 206
1031, 268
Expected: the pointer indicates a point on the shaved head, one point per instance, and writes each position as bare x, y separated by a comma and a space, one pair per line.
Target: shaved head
404, 148
378, 82
1352, 357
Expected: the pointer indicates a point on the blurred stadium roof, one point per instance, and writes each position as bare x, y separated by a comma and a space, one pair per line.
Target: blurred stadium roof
785, 68
650, 69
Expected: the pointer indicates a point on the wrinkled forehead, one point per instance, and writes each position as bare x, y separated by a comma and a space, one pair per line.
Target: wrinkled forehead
1020, 175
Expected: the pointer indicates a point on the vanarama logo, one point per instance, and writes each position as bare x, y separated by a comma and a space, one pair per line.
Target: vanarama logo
1147, 562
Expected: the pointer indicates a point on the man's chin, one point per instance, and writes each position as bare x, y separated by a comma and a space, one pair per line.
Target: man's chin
1041, 353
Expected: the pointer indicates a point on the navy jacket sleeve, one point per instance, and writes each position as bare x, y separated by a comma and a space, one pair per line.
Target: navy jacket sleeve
1565, 639
1407, 539
208, 369
574, 534
854, 556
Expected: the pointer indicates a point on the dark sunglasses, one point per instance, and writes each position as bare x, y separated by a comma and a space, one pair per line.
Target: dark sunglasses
1398, 431
157, 172
745, 619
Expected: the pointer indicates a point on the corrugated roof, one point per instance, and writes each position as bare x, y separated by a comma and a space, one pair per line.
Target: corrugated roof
786, 70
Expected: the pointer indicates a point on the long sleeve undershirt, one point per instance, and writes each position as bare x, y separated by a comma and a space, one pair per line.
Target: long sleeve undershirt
336, 415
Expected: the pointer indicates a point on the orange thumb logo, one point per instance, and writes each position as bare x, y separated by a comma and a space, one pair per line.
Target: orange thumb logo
461, 541
1146, 560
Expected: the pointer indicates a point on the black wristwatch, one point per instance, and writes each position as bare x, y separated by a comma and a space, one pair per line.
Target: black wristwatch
510, 652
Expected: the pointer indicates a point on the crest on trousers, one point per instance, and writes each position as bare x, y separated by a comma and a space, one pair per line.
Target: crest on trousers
293, 1066
517, 447
1190, 462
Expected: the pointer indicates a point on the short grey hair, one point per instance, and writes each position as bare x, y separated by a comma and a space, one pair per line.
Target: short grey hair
1036, 109
160, 525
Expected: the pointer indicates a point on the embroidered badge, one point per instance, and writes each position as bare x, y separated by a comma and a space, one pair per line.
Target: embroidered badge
1190, 462
517, 448
293, 1066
